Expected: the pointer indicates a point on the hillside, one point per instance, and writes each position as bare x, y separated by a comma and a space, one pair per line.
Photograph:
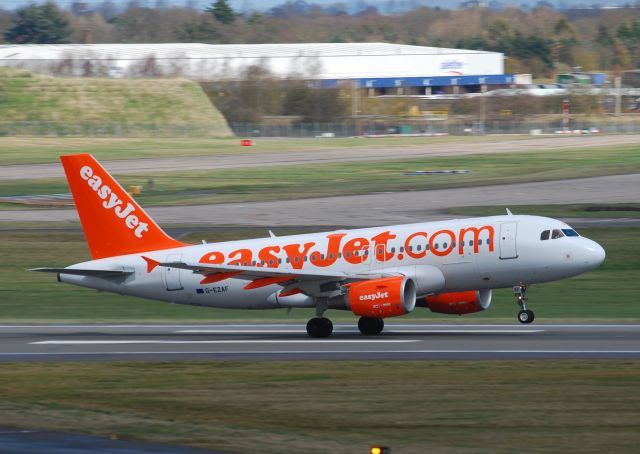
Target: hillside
138, 107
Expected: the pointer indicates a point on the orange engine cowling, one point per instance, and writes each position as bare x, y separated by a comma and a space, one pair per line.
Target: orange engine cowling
385, 297
459, 302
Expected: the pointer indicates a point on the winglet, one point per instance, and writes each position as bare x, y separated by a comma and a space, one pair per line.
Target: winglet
151, 264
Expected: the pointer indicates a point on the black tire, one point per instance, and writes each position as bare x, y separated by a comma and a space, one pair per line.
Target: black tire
370, 326
319, 327
532, 316
526, 317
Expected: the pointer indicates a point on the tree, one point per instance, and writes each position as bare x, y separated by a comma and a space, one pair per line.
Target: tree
39, 24
222, 11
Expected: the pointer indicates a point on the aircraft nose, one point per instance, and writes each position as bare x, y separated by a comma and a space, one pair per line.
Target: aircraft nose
595, 253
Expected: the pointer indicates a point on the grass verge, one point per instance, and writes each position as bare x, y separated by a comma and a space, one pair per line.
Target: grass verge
319, 407
302, 181
579, 210
607, 293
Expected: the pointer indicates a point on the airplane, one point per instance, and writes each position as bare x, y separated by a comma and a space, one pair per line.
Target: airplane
448, 267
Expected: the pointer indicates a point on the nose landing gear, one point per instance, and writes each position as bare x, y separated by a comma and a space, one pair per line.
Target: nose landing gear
525, 315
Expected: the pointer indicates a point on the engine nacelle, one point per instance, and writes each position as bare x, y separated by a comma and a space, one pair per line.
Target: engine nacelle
459, 302
379, 298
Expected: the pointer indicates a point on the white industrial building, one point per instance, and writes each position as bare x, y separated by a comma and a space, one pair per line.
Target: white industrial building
373, 64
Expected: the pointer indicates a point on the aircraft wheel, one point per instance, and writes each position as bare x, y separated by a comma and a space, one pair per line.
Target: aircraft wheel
370, 326
526, 316
319, 327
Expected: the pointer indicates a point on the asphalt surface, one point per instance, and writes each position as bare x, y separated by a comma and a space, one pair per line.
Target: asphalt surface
290, 342
22, 441
378, 208
248, 158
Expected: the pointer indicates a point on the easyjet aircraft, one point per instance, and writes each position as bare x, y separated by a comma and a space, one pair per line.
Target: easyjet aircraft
448, 267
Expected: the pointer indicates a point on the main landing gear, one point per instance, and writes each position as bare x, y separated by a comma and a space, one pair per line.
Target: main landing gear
370, 326
319, 326
525, 315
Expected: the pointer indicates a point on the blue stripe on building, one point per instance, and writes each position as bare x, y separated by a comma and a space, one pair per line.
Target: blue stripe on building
439, 81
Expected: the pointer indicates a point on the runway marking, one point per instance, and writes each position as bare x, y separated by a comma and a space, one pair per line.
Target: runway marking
230, 341
297, 325
389, 331
298, 352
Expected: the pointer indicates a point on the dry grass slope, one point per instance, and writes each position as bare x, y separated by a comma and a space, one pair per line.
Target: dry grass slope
165, 103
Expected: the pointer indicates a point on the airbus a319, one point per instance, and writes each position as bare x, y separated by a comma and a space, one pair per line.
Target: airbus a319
448, 267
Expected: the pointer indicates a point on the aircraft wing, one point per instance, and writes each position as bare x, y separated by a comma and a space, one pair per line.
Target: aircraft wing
255, 272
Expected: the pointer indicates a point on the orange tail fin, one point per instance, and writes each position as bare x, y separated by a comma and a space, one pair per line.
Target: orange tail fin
113, 223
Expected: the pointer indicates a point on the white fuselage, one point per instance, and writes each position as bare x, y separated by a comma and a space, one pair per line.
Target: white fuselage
449, 256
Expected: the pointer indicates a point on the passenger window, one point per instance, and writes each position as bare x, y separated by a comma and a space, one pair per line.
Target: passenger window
544, 235
488, 240
437, 246
444, 245
419, 247
410, 248
480, 242
470, 242
557, 233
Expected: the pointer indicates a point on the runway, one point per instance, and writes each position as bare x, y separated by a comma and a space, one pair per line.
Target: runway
290, 342
378, 208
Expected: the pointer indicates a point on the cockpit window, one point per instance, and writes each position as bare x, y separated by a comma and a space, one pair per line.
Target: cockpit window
545, 235
570, 232
556, 233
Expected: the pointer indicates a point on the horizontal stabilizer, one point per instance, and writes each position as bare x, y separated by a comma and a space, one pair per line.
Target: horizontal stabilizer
80, 272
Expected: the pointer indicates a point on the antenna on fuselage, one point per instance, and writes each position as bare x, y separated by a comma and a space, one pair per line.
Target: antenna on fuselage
509, 212
271, 234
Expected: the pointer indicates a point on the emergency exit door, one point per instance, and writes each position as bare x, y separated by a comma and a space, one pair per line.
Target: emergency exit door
172, 275
508, 233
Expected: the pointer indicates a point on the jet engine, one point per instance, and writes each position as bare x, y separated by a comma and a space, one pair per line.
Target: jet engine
379, 298
459, 302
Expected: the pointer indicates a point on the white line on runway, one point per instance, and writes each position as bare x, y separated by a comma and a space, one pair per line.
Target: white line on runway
315, 352
337, 325
389, 331
235, 341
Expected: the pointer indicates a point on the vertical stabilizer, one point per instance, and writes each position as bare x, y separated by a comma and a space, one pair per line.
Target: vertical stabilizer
113, 223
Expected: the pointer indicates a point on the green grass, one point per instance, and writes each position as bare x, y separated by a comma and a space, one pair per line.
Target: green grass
73, 102
338, 407
582, 210
301, 181
607, 293
31, 150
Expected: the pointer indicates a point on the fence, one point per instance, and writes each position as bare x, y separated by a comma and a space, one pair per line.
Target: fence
627, 125
89, 129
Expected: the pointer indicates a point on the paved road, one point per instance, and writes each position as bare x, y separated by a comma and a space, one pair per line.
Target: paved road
253, 159
377, 209
23, 441
290, 342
